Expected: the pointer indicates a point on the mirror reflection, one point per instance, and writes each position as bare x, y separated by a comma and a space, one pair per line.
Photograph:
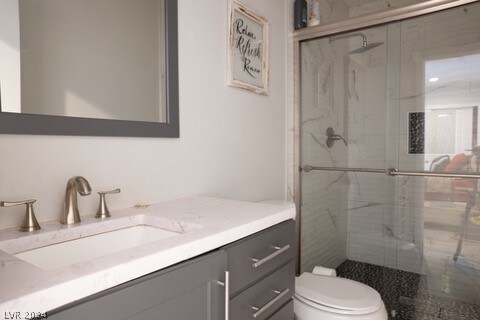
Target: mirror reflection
100, 59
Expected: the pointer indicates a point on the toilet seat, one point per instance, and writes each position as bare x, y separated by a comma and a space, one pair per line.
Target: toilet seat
318, 306
337, 295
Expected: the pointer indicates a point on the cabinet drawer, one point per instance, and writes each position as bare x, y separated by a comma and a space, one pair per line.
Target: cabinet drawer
286, 313
269, 249
266, 296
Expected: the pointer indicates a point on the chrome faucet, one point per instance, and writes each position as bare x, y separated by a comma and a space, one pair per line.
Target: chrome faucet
70, 210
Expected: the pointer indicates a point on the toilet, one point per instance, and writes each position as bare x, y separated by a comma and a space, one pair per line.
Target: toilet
326, 297
320, 297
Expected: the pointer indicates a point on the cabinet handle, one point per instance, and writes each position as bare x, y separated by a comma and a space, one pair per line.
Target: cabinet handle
258, 263
261, 310
226, 284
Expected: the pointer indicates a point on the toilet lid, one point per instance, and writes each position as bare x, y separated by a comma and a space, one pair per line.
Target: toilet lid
338, 293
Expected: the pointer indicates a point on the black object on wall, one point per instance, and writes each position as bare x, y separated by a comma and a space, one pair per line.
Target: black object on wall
300, 14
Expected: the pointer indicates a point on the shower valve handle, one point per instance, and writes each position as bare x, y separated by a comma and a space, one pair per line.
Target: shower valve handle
332, 137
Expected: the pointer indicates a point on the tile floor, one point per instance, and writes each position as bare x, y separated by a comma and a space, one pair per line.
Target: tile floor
406, 295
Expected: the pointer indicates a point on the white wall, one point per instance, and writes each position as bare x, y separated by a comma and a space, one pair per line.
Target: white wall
232, 141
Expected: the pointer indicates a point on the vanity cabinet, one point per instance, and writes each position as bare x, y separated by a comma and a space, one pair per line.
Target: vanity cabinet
261, 284
262, 274
189, 290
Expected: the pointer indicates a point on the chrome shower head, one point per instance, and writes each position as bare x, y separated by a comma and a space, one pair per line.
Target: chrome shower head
363, 48
366, 47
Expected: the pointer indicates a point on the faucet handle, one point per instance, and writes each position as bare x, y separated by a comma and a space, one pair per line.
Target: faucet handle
30, 222
103, 211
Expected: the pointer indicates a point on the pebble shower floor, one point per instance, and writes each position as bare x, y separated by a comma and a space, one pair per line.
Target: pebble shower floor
405, 294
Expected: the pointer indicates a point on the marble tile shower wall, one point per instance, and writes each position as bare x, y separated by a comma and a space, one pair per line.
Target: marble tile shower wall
384, 222
373, 224
333, 94
324, 195
350, 215
324, 220
382, 227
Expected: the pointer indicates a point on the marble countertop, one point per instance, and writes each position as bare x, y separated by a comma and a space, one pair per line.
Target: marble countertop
204, 223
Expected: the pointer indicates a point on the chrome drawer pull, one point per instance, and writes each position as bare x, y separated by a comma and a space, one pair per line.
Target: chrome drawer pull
226, 284
258, 263
261, 310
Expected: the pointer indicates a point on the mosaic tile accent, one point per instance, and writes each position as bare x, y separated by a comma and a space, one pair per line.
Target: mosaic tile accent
416, 133
405, 293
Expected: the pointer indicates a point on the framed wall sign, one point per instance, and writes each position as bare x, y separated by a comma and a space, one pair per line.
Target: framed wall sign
248, 49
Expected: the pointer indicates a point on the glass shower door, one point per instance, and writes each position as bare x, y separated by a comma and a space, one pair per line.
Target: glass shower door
437, 125
409, 101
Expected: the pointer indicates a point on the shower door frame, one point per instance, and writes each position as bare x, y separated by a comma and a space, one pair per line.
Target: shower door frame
306, 34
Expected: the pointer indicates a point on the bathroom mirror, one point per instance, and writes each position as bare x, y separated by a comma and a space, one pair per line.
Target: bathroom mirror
89, 67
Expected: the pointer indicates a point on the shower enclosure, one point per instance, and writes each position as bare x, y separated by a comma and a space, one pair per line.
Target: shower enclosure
402, 95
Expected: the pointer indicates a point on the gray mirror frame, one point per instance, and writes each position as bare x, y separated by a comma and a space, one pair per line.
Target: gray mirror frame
32, 124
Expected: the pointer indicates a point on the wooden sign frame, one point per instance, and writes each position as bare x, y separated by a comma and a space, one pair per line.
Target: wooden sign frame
247, 60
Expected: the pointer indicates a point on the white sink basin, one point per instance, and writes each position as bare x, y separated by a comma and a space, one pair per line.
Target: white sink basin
83, 249
54, 249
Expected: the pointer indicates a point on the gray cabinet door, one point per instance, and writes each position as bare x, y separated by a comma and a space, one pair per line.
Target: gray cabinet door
183, 292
